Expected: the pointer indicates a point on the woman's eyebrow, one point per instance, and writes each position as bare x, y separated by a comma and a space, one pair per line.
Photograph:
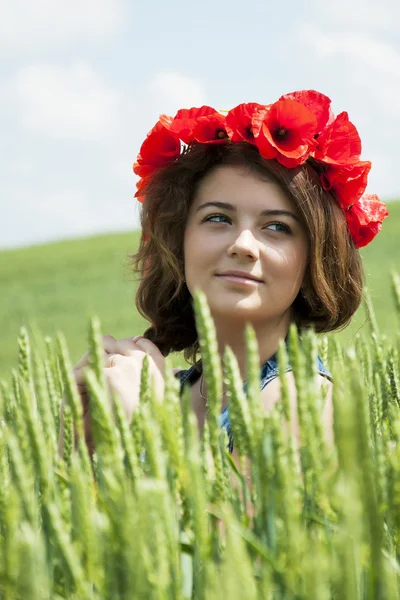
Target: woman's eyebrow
265, 213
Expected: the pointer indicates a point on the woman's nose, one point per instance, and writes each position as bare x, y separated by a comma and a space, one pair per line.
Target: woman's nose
245, 243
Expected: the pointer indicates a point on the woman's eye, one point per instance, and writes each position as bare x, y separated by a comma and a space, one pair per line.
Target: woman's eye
214, 217
285, 228
280, 226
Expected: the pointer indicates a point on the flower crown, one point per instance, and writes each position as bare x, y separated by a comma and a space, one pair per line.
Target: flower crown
300, 126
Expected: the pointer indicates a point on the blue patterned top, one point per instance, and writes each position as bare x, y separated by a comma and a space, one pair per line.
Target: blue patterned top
269, 371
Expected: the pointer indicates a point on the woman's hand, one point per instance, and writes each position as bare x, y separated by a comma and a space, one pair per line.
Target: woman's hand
123, 360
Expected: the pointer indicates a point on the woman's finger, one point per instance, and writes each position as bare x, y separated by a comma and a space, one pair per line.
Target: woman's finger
123, 346
153, 351
109, 345
111, 360
79, 372
127, 346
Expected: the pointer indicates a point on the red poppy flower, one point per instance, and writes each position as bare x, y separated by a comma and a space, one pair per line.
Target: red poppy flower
211, 130
185, 121
158, 149
349, 183
239, 122
317, 103
364, 219
141, 186
285, 131
339, 143
299, 126
141, 169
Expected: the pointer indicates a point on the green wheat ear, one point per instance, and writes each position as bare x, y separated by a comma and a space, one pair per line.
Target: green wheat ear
131, 461
298, 362
24, 356
213, 376
44, 404
155, 456
145, 392
253, 383
83, 531
96, 362
314, 402
51, 361
70, 388
67, 552
284, 407
106, 435
10, 556
73, 402
237, 569
53, 394
33, 575
239, 413
283, 362
34, 428
22, 478
68, 437
370, 312
394, 378
171, 420
211, 361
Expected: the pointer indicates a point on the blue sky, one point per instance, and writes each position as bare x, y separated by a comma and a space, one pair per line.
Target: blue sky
81, 82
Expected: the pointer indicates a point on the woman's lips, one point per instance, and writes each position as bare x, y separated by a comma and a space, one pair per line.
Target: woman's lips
239, 280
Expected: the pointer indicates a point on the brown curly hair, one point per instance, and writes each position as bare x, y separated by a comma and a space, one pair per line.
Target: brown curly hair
334, 275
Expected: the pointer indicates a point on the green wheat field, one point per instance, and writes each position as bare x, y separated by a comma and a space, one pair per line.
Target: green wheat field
157, 513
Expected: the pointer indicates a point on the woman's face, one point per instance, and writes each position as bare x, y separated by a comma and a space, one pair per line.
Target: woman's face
260, 233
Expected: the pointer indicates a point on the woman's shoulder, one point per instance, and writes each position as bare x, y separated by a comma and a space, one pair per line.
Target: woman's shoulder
191, 374
177, 370
270, 370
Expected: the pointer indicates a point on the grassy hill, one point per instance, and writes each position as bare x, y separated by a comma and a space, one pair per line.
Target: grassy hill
57, 286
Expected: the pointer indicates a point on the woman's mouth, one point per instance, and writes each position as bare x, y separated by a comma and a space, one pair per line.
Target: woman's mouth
239, 280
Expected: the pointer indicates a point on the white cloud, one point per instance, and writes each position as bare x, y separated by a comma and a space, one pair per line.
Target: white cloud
165, 92
360, 14
382, 179
378, 55
29, 26
363, 65
45, 212
362, 75
169, 91
41, 214
63, 102
25, 168
51, 194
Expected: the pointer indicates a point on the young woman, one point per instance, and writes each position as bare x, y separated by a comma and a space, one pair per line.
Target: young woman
264, 210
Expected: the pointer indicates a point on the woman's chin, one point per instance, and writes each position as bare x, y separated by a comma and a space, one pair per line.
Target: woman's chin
235, 308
